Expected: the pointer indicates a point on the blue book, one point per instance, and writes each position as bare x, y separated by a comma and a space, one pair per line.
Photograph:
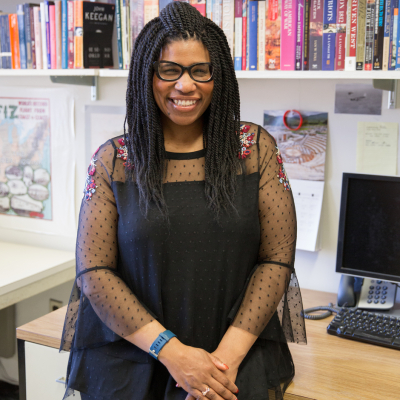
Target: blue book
64, 34
2, 45
119, 38
329, 35
28, 37
398, 46
47, 38
392, 46
6, 25
252, 17
21, 35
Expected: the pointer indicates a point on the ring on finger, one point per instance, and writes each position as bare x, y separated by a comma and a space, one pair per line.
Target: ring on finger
206, 391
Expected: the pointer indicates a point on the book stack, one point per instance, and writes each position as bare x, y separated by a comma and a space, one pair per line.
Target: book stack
350, 35
57, 35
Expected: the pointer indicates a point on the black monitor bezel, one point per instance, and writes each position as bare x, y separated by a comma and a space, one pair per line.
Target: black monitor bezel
342, 222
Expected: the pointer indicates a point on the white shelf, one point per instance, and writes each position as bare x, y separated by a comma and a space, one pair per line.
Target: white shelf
123, 73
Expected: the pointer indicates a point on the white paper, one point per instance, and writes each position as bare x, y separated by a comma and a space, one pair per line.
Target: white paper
37, 140
308, 197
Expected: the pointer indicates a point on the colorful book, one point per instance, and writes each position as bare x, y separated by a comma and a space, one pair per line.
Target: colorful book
200, 6
299, 36
369, 34
261, 35
28, 37
47, 5
150, 10
43, 35
341, 17
58, 33
21, 35
253, 17
379, 34
32, 38
228, 21
288, 36
329, 35
124, 38
14, 41
351, 35
306, 36
247, 36
398, 46
238, 35
395, 5
316, 29
395, 34
78, 34
217, 12
53, 38
118, 28
209, 5
64, 34
361, 26
71, 29
5, 42
38, 37
244, 35
136, 8
386, 35
273, 35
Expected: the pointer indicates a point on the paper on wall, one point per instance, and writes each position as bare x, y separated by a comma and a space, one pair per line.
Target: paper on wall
377, 148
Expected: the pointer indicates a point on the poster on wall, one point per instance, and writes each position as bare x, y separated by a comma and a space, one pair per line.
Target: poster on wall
37, 160
102, 123
301, 137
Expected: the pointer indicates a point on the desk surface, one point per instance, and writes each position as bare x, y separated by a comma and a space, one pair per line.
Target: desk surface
29, 270
327, 368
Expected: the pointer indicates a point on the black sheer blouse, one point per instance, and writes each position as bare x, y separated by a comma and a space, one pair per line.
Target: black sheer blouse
196, 278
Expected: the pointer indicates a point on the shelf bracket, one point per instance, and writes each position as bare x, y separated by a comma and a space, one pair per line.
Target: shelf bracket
392, 86
91, 81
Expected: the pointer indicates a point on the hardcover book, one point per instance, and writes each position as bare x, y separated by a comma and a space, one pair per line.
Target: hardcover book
64, 34
71, 37
395, 35
58, 33
299, 36
261, 36
288, 36
306, 36
53, 48
361, 26
393, 22
238, 35
136, 8
43, 35
273, 36
244, 35
341, 16
14, 41
369, 34
253, 16
38, 37
379, 34
228, 21
316, 29
32, 37
78, 34
21, 35
329, 35
98, 24
386, 34
351, 38
5, 42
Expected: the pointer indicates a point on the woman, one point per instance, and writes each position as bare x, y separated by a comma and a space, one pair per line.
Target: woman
187, 225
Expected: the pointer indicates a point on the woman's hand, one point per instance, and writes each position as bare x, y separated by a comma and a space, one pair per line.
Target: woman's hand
195, 369
230, 372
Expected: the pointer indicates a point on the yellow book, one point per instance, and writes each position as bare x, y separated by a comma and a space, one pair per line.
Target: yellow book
78, 33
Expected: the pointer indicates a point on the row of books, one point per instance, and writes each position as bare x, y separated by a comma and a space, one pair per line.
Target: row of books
57, 35
262, 35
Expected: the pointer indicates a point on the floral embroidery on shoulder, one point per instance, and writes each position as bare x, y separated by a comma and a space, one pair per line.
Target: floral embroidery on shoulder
282, 173
90, 185
246, 140
122, 153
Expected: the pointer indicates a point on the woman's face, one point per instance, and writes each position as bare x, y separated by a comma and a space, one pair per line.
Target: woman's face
184, 52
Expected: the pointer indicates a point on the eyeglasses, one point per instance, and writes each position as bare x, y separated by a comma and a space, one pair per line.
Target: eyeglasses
172, 71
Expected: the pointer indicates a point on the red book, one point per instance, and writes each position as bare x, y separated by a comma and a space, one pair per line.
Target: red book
14, 41
53, 48
341, 35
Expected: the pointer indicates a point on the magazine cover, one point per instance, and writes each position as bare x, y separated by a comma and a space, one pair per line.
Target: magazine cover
303, 150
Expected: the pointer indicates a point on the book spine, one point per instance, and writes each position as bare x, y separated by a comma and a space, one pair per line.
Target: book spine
288, 37
261, 36
316, 28
244, 35
28, 36
217, 12
14, 39
248, 36
391, 34
128, 31
21, 35
228, 21
329, 35
71, 28
361, 26
273, 36
209, 6
123, 30
64, 34
78, 34
340, 53
38, 37
119, 34
2, 44
253, 17
299, 35
6, 48
58, 33
43, 31
53, 45
306, 36
379, 34
238, 35
33, 41
351, 32
150, 10
137, 18
48, 38
386, 32
395, 36
201, 7
397, 52
369, 34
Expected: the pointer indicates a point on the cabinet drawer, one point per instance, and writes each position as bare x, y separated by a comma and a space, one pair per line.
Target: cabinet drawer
44, 366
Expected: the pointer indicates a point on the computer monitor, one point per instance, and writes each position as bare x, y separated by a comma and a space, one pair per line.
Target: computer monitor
369, 227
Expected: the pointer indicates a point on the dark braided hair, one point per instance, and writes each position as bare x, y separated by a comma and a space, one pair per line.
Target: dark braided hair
221, 121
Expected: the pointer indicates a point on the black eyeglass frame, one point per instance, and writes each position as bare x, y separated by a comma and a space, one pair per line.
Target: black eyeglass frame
183, 69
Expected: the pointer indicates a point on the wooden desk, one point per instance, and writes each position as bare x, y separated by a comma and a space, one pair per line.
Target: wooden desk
327, 368
28, 270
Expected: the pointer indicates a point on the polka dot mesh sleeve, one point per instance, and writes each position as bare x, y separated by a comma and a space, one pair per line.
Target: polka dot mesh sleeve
272, 286
97, 278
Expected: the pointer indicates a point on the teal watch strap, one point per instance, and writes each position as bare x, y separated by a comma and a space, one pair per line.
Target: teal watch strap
160, 342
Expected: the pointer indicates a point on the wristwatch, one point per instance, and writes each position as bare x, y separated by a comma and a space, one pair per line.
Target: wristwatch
160, 342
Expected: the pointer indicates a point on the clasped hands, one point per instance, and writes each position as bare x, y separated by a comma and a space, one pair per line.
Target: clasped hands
195, 369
